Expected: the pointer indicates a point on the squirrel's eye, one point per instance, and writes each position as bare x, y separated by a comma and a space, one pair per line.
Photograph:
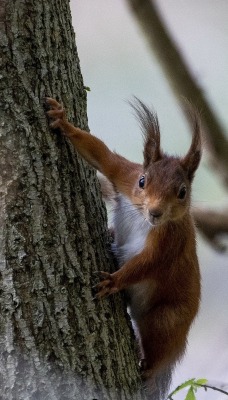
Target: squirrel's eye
182, 192
142, 181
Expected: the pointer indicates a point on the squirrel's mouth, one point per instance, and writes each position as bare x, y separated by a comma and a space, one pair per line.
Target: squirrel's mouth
155, 221
155, 217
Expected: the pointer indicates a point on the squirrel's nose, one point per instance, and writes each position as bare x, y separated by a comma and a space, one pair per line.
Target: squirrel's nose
155, 213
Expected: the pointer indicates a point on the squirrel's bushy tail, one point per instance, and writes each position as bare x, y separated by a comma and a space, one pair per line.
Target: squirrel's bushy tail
157, 388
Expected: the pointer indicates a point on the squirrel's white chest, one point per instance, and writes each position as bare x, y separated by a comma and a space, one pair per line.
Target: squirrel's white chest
131, 230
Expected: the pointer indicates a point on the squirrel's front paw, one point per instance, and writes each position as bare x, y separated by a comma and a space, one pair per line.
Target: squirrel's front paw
56, 112
107, 286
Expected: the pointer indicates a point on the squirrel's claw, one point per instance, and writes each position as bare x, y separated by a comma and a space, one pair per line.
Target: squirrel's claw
53, 103
106, 286
106, 292
56, 113
59, 113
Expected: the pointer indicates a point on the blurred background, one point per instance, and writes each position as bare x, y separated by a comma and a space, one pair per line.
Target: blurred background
117, 64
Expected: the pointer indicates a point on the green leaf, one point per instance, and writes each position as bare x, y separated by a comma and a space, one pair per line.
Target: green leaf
182, 386
190, 394
87, 88
201, 381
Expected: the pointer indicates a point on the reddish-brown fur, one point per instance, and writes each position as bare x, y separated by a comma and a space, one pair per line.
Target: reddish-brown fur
167, 263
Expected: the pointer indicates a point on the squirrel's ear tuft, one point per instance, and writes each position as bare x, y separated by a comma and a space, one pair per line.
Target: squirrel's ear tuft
151, 132
191, 161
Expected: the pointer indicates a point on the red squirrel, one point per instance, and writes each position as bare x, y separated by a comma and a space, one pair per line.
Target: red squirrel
154, 236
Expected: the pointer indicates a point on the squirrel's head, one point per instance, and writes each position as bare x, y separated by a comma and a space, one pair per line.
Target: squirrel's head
164, 188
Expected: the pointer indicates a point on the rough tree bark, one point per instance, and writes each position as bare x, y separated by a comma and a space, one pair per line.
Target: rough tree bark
56, 342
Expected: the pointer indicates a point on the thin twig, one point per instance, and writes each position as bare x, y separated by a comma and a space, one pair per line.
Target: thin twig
213, 388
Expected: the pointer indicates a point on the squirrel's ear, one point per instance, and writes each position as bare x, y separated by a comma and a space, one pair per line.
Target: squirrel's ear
151, 132
152, 151
191, 161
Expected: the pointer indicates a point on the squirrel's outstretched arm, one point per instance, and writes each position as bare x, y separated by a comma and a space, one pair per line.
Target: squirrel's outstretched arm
135, 270
121, 172
142, 266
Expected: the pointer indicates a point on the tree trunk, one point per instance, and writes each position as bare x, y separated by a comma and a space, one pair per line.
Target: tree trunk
56, 342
